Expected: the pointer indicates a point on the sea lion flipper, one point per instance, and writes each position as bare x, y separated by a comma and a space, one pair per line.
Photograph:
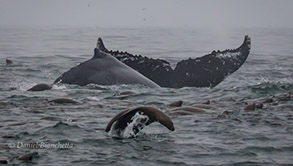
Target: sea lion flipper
209, 70
115, 118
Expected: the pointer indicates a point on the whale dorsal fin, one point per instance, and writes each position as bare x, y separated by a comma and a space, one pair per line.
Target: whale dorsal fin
100, 45
100, 49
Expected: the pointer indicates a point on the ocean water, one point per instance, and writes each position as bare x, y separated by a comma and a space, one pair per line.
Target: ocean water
235, 137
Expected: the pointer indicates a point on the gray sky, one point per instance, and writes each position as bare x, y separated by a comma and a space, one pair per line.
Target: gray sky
137, 13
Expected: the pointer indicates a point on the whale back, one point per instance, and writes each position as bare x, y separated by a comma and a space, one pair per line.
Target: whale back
103, 69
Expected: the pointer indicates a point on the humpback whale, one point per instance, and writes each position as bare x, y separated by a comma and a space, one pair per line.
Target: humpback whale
115, 67
206, 71
103, 69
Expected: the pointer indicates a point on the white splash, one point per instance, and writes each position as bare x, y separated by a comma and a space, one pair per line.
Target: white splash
22, 86
59, 87
94, 98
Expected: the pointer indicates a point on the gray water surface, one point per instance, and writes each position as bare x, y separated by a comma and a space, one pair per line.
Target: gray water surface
40, 55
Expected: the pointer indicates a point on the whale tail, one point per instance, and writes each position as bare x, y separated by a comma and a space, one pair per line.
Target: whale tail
206, 71
211, 69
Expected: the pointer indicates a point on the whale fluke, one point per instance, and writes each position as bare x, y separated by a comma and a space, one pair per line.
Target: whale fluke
119, 122
211, 69
206, 71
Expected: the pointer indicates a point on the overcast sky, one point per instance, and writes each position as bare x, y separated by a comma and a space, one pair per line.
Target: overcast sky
137, 13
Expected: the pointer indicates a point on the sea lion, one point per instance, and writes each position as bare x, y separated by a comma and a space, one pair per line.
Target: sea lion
189, 109
206, 102
176, 104
180, 112
63, 101
203, 106
28, 157
268, 100
253, 106
3, 161
119, 122
40, 87
8, 62
250, 107
259, 105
